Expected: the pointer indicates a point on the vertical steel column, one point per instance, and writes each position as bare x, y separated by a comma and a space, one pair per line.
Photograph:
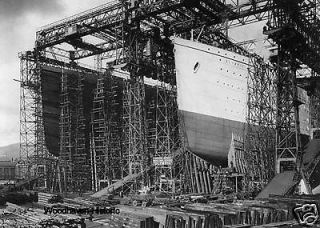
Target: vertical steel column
98, 133
28, 81
33, 151
68, 119
114, 128
260, 135
287, 125
81, 158
134, 145
163, 157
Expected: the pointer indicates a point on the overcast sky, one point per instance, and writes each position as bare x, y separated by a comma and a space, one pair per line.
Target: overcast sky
19, 20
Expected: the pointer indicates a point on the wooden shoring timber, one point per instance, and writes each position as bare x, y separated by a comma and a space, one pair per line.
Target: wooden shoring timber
207, 173
202, 183
196, 175
193, 178
201, 174
206, 183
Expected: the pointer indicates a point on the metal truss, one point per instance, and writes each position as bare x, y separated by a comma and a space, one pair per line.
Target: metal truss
288, 144
315, 109
81, 158
33, 152
166, 127
260, 134
124, 29
135, 134
250, 12
134, 142
80, 25
98, 134
294, 27
66, 132
74, 151
105, 123
106, 21
28, 81
162, 158
114, 110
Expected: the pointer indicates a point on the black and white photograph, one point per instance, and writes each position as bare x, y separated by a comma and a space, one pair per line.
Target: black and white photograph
159, 113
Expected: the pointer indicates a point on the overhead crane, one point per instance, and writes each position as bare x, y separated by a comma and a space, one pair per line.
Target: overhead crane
125, 27
173, 16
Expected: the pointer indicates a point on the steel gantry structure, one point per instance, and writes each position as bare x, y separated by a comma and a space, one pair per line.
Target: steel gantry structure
135, 36
294, 27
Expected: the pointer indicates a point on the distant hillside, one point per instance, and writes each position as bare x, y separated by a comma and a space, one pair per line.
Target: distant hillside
9, 152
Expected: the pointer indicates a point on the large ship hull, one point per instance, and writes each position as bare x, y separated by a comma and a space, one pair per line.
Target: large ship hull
210, 137
212, 89
212, 97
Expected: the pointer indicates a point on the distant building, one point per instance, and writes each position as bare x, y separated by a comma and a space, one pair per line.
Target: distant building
7, 170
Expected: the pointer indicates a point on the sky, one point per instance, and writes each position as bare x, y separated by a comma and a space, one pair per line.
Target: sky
19, 21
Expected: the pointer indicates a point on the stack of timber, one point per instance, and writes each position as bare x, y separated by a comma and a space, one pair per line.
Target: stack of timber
251, 213
127, 220
231, 215
43, 198
163, 216
35, 217
246, 213
26, 216
208, 221
295, 199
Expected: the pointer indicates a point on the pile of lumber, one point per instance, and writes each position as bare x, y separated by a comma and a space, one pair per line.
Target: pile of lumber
208, 221
127, 220
206, 215
251, 213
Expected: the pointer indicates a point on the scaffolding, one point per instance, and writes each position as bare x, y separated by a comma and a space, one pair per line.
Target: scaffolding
165, 125
299, 20
66, 132
315, 112
98, 134
28, 99
33, 153
130, 129
75, 160
106, 134
81, 158
260, 132
134, 139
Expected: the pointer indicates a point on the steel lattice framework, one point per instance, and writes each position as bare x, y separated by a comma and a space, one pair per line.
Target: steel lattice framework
294, 28
27, 107
33, 153
260, 136
125, 30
